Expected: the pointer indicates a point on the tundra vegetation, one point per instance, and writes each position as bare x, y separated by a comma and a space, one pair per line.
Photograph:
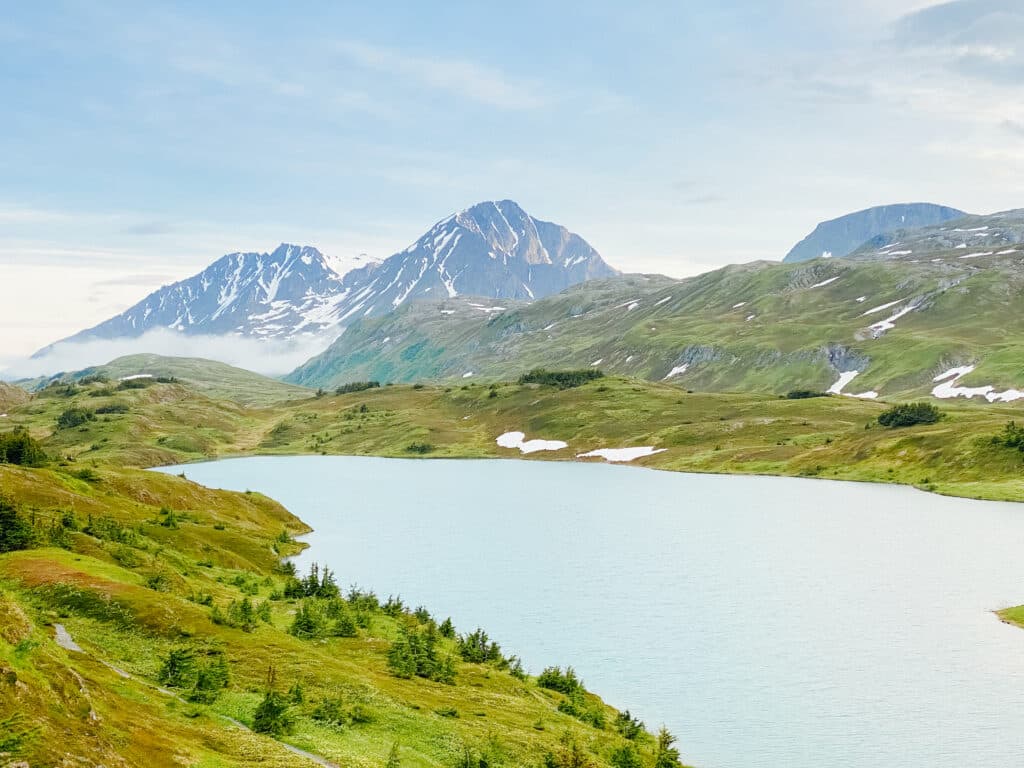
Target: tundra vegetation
188, 614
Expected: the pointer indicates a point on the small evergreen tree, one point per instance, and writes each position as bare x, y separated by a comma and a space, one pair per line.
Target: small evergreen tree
666, 755
178, 669
273, 715
626, 757
16, 531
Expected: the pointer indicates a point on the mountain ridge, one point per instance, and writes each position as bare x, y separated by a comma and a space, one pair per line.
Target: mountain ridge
491, 249
843, 235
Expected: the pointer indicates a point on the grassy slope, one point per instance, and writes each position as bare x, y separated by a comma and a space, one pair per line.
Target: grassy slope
11, 396
823, 437
84, 709
209, 377
797, 335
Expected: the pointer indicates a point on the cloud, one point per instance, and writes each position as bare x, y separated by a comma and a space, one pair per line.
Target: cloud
460, 76
270, 357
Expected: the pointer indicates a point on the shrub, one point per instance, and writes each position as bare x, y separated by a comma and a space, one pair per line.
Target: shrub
554, 679
561, 379
356, 386
626, 757
414, 654
627, 725
420, 448
666, 755
113, 408
804, 394
477, 648
75, 416
1012, 436
909, 414
18, 447
273, 715
16, 531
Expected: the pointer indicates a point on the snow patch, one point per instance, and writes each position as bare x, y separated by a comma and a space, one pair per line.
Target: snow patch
826, 282
877, 329
621, 454
518, 440
976, 255
741, 304
861, 299
678, 370
467, 374
750, 317
949, 389
597, 362
136, 376
880, 307
662, 301
844, 378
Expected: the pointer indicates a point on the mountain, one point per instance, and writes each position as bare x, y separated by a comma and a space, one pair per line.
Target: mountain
493, 249
839, 237
266, 295
969, 237
760, 327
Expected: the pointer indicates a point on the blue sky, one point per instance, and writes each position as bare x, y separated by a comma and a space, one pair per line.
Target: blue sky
141, 141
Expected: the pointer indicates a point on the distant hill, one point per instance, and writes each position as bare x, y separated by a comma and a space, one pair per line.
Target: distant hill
838, 237
958, 241
212, 378
760, 327
11, 396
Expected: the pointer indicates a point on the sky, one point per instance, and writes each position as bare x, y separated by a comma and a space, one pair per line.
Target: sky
142, 141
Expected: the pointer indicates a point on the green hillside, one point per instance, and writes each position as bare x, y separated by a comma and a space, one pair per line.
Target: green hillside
210, 377
759, 327
145, 619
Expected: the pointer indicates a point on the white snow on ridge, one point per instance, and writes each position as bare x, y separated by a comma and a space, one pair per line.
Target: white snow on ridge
678, 370
741, 304
963, 370
662, 301
518, 440
949, 389
136, 376
976, 255
621, 454
880, 307
826, 282
597, 362
890, 322
845, 378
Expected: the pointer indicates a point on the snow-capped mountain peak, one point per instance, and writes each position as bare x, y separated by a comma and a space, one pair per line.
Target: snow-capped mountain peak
491, 249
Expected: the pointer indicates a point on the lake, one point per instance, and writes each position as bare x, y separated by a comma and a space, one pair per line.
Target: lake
767, 621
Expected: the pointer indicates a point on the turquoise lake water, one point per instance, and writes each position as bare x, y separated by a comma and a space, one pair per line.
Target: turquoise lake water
766, 621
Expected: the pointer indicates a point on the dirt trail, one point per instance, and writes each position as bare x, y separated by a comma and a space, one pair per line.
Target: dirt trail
64, 639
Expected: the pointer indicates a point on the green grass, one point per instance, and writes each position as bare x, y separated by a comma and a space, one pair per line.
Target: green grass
787, 334
100, 586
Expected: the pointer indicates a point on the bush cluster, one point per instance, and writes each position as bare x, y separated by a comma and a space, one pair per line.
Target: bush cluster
561, 379
75, 416
356, 386
18, 447
909, 414
804, 394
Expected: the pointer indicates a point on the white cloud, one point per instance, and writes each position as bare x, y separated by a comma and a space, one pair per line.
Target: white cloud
461, 76
266, 356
